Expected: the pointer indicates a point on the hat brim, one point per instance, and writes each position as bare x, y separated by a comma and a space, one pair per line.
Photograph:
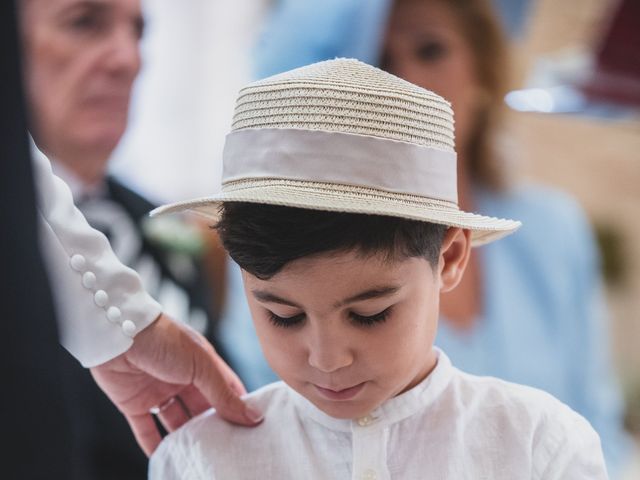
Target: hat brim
340, 198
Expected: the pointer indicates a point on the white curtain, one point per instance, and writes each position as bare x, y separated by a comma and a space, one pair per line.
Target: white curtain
196, 57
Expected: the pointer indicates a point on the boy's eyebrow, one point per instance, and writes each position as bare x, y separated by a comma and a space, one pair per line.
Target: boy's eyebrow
369, 294
378, 292
271, 298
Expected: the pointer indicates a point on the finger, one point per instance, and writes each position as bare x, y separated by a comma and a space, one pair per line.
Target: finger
195, 402
174, 415
145, 431
232, 380
210, 380
231, 377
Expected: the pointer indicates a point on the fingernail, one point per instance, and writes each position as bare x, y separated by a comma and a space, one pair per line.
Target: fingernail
253, 415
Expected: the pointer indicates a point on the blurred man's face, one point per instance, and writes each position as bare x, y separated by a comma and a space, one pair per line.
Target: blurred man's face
81, 58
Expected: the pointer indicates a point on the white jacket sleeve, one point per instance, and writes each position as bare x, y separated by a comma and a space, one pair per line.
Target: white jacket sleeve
101, 304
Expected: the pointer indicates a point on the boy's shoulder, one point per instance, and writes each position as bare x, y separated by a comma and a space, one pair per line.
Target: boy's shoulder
529, 404
272, 399
191, 446
530, 418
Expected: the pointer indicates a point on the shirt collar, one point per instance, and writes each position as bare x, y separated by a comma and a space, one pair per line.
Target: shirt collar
393, 410
80, 190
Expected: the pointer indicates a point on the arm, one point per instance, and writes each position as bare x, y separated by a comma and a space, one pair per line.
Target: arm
174, 460
102, 307
101, 303
569, 451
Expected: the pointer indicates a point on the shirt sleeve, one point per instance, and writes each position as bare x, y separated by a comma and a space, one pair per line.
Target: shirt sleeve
569, 450
101, 304
171, 460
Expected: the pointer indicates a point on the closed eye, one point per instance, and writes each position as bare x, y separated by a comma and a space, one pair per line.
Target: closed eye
370, 320
363, 320
286, 322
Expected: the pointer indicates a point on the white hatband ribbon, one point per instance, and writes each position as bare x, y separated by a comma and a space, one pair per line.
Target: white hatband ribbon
342, 158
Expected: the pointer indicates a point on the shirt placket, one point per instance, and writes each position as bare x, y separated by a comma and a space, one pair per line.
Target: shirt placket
369, 449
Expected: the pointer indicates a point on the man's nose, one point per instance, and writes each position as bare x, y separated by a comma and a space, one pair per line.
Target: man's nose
124, 52
329, 351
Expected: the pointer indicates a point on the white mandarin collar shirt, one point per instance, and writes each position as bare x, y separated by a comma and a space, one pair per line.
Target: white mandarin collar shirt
450, 426
392, 411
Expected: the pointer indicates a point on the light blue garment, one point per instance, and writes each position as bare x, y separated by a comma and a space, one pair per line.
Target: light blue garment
300, 32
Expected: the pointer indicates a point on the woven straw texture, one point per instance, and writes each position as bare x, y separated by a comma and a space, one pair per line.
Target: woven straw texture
350, 97
342, 198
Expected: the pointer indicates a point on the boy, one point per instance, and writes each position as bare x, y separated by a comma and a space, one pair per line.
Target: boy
339, 204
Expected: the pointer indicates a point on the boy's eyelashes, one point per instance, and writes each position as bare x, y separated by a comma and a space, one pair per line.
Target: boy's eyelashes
285, 322
362, 320
369, 320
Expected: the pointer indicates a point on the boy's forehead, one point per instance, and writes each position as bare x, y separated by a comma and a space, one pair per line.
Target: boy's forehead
347, 271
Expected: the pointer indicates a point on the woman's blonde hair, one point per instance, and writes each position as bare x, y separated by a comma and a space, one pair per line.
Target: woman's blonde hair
484, 35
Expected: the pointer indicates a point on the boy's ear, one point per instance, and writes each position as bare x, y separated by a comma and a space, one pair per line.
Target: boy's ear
454, 256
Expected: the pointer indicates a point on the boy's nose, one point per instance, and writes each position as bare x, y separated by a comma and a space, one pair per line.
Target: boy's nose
329, 353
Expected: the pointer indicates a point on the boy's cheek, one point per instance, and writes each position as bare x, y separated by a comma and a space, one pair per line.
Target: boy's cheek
282, 353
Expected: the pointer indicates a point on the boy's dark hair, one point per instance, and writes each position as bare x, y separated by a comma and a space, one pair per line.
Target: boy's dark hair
262, 239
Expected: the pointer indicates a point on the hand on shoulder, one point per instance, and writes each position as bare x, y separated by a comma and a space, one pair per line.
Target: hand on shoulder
173, 369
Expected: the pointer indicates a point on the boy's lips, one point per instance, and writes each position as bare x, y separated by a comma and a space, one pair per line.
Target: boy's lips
344, 394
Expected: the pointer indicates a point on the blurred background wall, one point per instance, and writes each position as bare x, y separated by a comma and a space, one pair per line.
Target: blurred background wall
597, 159
196, 57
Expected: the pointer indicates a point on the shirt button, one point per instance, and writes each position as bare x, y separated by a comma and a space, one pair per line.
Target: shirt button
101, 298
114, 314
365, 421
89, 280
369, 475
78, 262
129, 328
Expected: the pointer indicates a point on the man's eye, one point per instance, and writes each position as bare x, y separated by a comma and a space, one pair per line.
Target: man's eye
430, 51
285, 322
85, 22
370, 320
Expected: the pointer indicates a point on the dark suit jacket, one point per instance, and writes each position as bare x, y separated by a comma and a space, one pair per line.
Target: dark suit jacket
57, 422
34, 406
106, 447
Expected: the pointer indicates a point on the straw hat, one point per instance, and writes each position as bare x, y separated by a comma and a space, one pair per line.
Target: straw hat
341, 135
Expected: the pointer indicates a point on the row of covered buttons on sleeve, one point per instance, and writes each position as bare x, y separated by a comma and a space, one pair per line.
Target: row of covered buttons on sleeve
100, 297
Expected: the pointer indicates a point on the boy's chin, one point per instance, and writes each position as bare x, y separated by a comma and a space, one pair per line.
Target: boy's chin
345, 410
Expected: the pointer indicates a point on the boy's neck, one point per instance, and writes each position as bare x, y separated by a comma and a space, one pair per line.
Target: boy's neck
427, 368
